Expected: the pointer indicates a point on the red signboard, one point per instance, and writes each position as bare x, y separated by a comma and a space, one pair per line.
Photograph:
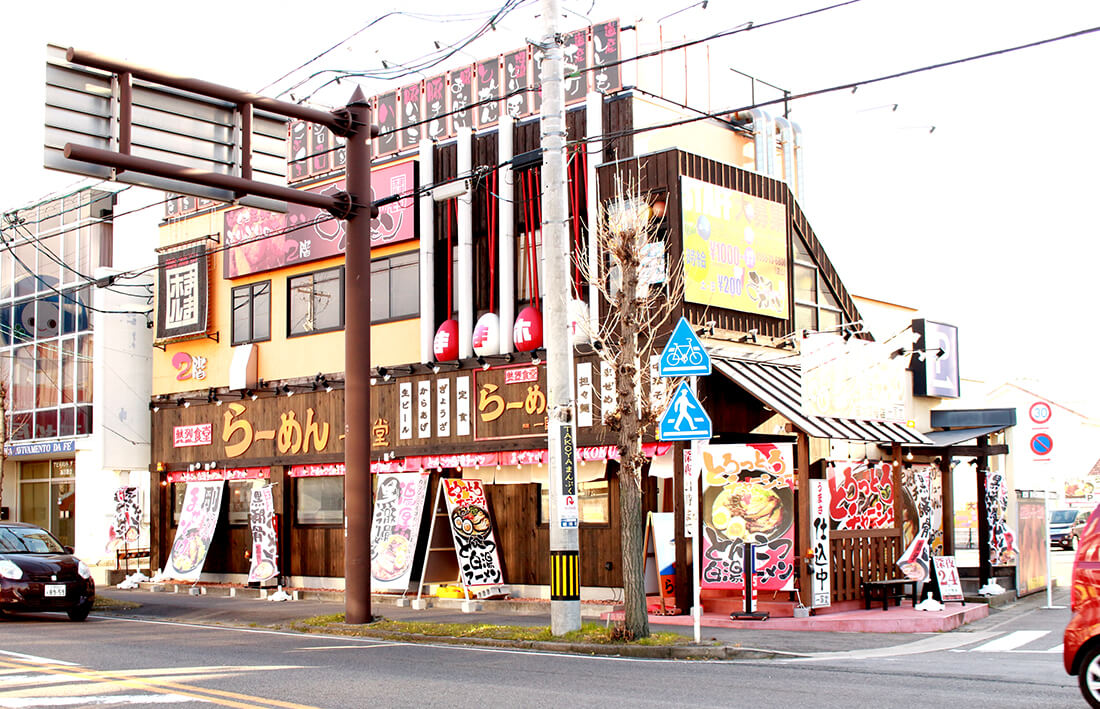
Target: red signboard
261, 241
200, 476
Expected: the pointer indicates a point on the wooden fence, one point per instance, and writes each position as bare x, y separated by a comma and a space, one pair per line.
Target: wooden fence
862, 555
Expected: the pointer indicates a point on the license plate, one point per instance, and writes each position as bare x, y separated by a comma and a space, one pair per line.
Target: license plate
55, 590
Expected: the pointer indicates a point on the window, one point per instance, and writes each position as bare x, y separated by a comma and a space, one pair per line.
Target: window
320, 500
395, 287
179, 491
593, 502
240, 499
815, 306
316, 302
252, 313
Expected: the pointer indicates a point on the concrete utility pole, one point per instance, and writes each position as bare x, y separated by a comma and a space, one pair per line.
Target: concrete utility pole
565, 602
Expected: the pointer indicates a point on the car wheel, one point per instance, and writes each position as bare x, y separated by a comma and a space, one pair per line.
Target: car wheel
79, 613
1089, 677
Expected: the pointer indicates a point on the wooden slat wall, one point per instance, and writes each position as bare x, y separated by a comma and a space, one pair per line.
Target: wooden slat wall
862, 555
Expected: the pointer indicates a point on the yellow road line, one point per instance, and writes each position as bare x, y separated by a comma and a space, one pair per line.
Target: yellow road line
217, 696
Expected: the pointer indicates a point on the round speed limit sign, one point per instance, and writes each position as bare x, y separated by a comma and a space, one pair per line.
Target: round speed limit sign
1039, 412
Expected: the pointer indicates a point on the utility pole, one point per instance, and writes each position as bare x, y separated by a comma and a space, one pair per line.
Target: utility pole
565, 601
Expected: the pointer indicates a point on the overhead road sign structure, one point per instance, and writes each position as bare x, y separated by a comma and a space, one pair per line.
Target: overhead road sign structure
685, 419
124, 113
684, 355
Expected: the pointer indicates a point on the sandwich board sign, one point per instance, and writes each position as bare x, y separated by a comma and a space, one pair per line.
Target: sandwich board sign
683, 355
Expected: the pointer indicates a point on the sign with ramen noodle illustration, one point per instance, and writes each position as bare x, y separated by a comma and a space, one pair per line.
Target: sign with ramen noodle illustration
748, 498
472, 528
265, 546
398, 507
202, 502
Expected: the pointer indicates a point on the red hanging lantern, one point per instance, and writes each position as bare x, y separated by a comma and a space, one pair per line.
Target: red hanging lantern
527, 332
445, 345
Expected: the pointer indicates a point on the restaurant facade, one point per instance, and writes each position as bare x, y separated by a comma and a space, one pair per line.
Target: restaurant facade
812, 419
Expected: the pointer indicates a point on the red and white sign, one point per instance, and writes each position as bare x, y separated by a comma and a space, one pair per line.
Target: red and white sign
200, 434
316, 471
198, 476
519, 375
947, 576
1040, 413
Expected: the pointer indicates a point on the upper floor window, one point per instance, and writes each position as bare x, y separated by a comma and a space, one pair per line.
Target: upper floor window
395, 287
815, 306
316, 302
252, 313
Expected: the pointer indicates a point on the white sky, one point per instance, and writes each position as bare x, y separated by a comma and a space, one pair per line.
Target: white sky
985, 223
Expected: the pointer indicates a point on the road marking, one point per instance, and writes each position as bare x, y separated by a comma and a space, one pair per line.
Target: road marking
1011, 641
934, 643
35, 658
340, 647
160, 687
101, 700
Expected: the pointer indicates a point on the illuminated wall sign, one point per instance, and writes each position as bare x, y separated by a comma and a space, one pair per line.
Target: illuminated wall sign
182, 292
735, 250
937, 374
261, 241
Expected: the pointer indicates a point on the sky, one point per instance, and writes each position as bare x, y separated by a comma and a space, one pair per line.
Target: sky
964, 192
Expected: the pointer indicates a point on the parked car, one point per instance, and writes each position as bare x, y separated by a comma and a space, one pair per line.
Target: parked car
1066, 526
1081, 642
37, 573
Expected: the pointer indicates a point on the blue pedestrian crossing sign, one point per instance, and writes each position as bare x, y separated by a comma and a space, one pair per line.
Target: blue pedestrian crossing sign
684, 419
684, 355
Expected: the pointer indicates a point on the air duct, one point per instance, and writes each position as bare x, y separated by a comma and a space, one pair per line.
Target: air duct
763, 138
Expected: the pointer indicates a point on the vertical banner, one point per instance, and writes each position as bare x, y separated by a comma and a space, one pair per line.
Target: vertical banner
821, 563
127, 525
916, 560
424, 408
1002, 538
461, 96
575, 53
202, 504
605, 50
1031, 567
488, 88
462, 406
443, 408
435, 107
691, 482
475, 544
398, 508
265, 540
516, 82
385, 116
568, 507
584, 394
748, 498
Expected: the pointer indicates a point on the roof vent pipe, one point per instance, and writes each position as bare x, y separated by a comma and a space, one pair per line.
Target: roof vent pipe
799, 173
763, 139
786, 139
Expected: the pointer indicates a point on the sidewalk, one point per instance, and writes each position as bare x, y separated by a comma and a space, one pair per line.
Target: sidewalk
773, 638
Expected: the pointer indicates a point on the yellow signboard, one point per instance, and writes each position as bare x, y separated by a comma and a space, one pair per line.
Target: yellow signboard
735, 250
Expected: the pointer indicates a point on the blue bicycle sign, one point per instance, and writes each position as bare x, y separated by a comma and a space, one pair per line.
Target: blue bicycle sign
684, 355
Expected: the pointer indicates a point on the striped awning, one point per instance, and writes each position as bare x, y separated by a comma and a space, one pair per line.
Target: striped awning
780, 387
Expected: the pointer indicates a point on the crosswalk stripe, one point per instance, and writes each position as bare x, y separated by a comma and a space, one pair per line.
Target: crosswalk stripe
1011, 641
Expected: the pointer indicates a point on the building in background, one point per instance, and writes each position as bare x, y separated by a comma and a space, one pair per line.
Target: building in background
74, 355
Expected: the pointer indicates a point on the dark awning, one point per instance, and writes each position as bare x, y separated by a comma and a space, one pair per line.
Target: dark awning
943, 439
780, 387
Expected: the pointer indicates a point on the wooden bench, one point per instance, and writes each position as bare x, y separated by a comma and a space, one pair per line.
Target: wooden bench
896, 589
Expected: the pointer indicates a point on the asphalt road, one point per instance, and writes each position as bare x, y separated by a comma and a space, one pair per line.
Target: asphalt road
1011, 659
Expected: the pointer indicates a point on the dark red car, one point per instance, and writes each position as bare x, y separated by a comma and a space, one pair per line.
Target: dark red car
37, 573
1081, 644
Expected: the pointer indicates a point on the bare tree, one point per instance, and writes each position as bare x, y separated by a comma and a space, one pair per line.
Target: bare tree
639, 307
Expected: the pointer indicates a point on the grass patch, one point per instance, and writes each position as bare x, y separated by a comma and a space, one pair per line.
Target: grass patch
589, 633
102, 603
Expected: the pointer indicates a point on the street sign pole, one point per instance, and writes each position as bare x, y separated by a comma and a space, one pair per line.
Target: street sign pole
696, 562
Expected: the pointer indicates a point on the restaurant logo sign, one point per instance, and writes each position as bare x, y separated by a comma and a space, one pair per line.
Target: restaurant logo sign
511, 402
200, 434
182, 292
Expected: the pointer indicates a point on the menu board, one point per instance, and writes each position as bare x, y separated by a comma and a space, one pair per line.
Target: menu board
472, 528
398, 508
202, 503
265, 545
